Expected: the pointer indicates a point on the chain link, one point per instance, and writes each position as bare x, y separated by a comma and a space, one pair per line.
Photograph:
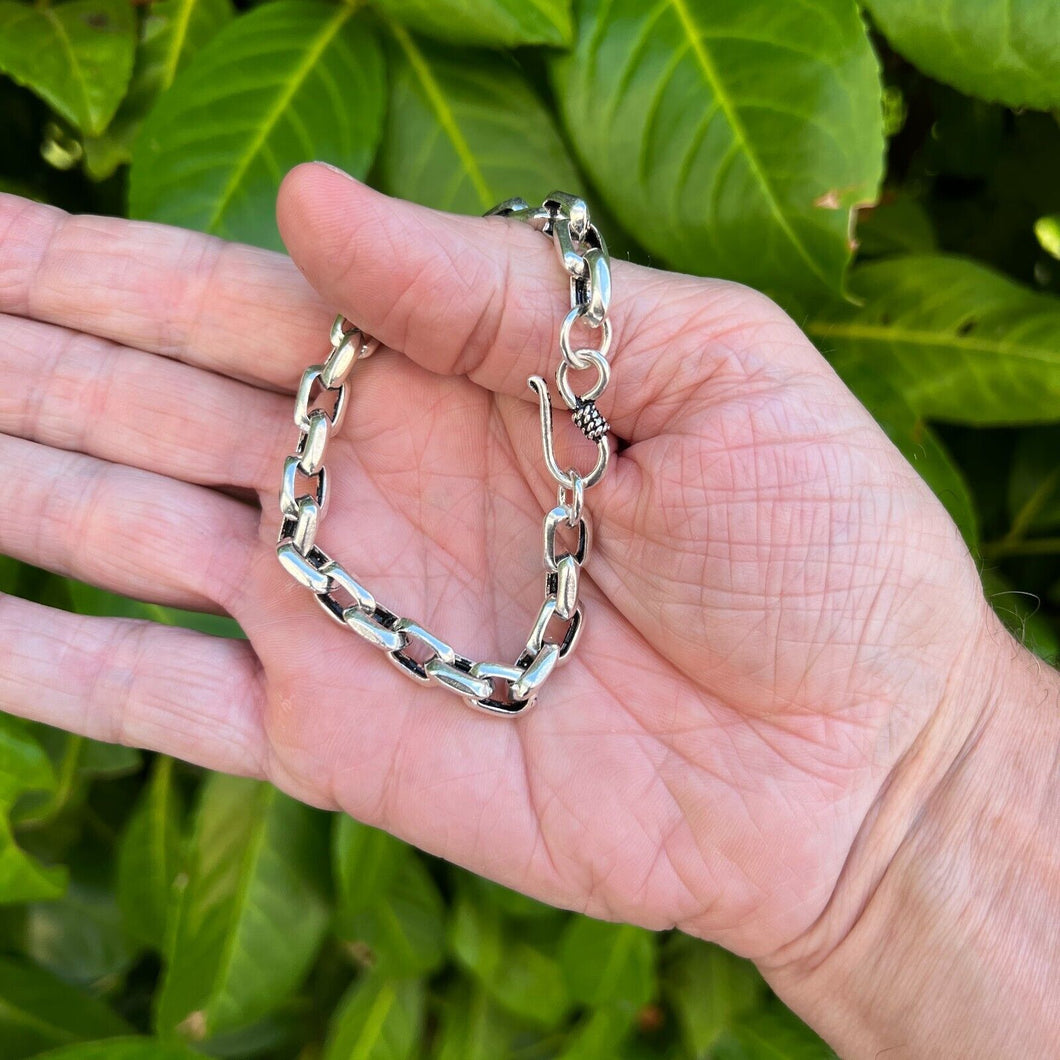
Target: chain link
496, 688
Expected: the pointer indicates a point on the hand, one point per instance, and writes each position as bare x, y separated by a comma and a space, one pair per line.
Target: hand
778, 612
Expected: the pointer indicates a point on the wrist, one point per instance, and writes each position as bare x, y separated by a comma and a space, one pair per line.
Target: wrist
942, 937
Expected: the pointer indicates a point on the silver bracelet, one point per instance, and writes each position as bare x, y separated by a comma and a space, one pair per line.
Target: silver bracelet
488, 686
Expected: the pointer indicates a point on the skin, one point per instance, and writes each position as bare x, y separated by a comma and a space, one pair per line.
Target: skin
787, 658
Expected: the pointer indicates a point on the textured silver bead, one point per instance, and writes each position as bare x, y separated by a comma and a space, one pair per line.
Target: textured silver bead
590, 421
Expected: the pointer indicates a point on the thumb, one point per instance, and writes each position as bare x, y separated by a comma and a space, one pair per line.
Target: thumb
485, 297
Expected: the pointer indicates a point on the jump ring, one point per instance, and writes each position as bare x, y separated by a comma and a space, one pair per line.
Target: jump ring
576, 357
593, 359
577, 490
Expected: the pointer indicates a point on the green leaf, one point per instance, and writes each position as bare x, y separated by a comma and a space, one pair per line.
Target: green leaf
100, 760
38, 1011
771, 1034
1034, 485
1047, 232
521, 978
123, 1049
600, 1035
503, 22
472, 1026
387, 901
608, 964
378, 1019
91, 600
916, 442
252, 914
465, 131
960, 342
24, 767
900, 225
366, 861
287, 82
76, 761
1003, 50
732, 137
708, 988
476, 934
76, 56
149, 858
512, 903
171, 32
79, 937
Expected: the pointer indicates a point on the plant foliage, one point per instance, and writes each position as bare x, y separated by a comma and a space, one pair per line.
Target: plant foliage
860, 164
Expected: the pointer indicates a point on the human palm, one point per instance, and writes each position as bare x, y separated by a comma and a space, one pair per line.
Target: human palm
773, 607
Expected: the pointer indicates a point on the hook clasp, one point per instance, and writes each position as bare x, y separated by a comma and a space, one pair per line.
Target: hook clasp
565, 478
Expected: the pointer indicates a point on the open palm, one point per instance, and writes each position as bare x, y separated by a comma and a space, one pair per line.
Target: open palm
774, 605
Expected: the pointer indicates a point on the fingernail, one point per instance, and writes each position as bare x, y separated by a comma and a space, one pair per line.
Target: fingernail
334, 169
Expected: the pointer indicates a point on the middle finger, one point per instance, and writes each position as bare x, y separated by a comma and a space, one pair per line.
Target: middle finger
77, 392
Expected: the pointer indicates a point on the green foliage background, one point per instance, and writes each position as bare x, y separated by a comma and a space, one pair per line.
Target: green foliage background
888, 173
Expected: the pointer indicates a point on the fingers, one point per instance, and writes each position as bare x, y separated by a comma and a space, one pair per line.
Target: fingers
231, 308
486, 297
127, 530
455, 294
159, 687
78, 392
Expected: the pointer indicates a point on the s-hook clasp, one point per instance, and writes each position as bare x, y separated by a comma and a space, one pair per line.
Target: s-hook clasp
592, 425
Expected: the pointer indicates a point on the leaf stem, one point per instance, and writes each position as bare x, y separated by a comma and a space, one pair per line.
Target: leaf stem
1035, 546
1033, 505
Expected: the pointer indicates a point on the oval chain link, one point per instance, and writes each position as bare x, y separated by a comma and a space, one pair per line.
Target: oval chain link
493, 687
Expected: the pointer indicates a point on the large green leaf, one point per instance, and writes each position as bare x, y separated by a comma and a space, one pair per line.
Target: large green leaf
24, 767
378, 1019
959, 341
708, 989
77, 56
387, 902
149, 858
1005, 50
465, 131
171, 32
732, 137
608, 964
287, 82
38, 1011
505, 22
520, 977
123, 1049
252, 914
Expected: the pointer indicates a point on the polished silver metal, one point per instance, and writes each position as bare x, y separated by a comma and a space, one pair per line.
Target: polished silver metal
574, 355
566, 478
495, 688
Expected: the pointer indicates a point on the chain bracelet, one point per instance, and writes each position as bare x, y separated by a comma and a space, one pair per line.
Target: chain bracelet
496, 688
